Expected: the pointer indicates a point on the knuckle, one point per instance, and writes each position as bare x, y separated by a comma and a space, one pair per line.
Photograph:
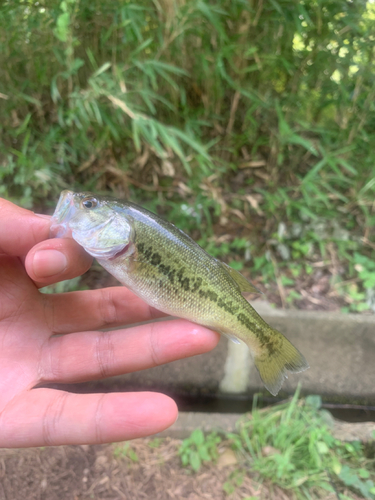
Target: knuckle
52, 419
48, 365
105, 354
108, 307
154, 346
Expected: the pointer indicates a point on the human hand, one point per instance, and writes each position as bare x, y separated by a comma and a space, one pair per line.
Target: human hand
31, 353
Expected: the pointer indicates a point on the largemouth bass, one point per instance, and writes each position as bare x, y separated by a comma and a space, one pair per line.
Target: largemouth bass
172, 273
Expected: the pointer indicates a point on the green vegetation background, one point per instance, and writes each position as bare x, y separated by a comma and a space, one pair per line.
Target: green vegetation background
248, 123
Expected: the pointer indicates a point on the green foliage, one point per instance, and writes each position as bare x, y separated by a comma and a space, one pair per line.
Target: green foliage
155, 443
234, 481
125, 451
199, 448
71, 285
361, 298
172, 103
358, 480
292, 445
366, 270
237, 246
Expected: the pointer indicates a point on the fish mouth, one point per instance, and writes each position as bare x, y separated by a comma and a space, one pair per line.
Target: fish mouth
63, 213
63, 226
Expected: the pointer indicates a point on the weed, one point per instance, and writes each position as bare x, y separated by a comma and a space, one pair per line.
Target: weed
292, 446
365, 268
125, 451
358, 480
199, 448
155, 443
234, 481
293, 296
360, 292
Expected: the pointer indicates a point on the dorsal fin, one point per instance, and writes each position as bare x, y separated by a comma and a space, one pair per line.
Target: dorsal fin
243, 284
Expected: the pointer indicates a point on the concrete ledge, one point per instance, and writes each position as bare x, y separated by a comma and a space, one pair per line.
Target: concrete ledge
187, 422
340, 349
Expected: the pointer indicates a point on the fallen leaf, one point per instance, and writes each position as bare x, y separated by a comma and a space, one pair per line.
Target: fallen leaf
228, 457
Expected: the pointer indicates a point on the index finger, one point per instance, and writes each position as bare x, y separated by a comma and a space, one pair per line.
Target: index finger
20, 229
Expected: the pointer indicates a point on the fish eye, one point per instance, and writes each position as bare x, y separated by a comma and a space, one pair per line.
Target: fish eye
89, 203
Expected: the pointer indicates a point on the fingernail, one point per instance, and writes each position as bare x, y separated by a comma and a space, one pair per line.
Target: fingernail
48, 263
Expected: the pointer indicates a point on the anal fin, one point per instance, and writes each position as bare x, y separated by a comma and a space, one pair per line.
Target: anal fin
230, 337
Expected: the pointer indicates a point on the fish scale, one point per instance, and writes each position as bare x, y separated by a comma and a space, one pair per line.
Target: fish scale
171, 272
194, 288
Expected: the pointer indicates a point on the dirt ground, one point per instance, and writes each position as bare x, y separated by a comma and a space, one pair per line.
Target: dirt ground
145, 469
107, 472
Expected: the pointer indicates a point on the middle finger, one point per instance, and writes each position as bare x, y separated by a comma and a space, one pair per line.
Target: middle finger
91, 355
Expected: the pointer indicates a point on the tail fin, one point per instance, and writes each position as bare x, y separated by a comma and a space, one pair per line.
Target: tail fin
274, 361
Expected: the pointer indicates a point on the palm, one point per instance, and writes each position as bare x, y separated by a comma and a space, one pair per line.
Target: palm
56, 338
23, 330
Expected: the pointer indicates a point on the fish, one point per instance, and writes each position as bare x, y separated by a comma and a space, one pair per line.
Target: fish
171, 272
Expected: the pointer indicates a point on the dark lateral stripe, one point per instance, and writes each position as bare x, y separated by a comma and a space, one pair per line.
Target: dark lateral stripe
253, 327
